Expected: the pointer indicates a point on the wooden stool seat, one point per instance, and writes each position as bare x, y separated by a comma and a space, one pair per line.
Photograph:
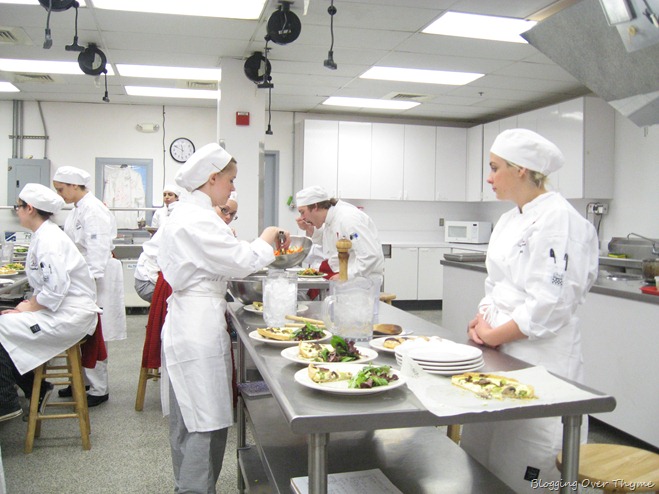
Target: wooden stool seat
617, 468
387, 297
145, 375
71, 370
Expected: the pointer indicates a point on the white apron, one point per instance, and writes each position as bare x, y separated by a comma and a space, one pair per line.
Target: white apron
110, 296
57, 332
197, 356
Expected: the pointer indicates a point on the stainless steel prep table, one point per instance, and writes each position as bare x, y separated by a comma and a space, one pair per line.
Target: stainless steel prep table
316, 415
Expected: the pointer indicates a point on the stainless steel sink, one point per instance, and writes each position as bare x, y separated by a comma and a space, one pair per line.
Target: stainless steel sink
624, 277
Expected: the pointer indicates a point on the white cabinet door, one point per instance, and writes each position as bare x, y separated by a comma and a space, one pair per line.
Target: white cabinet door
430, 273
474, 176
354, 169
387, 155
400, 273
450, 164
320, 154
419, 163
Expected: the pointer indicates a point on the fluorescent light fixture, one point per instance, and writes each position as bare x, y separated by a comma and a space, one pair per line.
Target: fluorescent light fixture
8, 87
370, 103
165, 92
34, 2
161, 72
237, 9
480, 27
43, 67
420, 75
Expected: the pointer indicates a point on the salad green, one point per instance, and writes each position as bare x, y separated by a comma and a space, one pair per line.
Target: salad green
372, 376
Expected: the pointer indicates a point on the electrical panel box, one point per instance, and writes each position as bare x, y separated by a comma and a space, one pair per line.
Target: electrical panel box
24, 171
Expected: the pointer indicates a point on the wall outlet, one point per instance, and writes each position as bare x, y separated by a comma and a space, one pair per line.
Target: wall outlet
441, 221
598, 208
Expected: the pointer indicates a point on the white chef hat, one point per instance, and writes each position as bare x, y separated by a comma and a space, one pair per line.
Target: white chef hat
311, 195
174, 189
525, 148
72, 175
41, 197
195, 172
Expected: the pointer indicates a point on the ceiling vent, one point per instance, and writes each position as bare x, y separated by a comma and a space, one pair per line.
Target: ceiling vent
39, 78
14, 36
208, 85
409, 97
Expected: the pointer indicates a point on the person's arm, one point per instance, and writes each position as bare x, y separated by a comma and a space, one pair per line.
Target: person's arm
482, 333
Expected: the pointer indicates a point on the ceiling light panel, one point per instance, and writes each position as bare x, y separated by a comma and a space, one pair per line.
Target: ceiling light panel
8, 87
35, 2
480, 27
43, 67
369, 103
237, 9
164, 92
420, 75
162, 72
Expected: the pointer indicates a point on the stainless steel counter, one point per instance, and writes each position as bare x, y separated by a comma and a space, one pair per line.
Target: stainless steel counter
316, 415
630, 290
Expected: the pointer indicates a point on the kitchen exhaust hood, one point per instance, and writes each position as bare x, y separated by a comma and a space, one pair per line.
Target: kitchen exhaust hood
626, 75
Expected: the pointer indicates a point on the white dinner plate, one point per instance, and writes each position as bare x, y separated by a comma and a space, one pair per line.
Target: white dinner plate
453, 352
459, 367
12, 275
250, 308
341, 387
453, 372
378, 343
298, 270
257, 337
4, 281
292, 353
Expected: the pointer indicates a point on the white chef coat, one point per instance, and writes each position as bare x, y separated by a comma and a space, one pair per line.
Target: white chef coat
92, 228
147, 268
343, 221
197, 254
62, 283
161, 215
540, 264
123, 188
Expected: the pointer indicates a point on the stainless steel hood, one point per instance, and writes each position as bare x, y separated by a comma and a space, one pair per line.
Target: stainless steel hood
581, 41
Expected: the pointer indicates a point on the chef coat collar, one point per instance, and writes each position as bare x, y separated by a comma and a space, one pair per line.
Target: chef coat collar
537, 202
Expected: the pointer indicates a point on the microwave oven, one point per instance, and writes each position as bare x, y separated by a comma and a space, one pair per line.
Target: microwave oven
467, 232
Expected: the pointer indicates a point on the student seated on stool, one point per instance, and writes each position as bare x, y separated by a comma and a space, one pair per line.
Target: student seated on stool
62, 309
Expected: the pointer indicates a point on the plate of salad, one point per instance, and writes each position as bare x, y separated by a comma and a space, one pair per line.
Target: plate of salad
350, 379
336, 351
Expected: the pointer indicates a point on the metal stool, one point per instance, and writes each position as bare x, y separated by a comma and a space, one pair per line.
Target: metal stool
387, 297
72, 371
616, 468
145, 375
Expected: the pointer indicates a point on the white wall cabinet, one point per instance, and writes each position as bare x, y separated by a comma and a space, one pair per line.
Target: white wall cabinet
387, 144
320, 154
450, 164
354, 160
419, 163
474, 172
400, 272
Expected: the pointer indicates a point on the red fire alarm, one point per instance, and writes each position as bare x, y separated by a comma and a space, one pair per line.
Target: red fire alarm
242, 118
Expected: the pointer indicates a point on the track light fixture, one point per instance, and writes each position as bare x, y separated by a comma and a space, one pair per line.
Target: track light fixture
329, 62
59, 6
284, 26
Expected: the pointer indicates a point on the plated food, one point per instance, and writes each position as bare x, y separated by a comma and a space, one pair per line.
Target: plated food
291, 250
336, 351
390, 343
350, 379
290, 336
5, 271
14, 266
492, 386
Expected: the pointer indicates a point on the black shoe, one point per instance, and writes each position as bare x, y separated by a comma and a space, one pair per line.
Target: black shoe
93, 401
7, 413
68, 392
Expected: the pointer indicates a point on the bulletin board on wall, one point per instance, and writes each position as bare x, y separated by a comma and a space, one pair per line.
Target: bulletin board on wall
126, 183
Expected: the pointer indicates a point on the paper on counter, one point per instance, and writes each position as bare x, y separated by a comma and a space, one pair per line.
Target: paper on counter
442, 398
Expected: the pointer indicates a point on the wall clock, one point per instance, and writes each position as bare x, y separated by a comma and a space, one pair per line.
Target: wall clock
181, 149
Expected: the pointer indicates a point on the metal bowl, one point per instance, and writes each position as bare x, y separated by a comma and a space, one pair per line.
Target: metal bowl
290, 260
247, 290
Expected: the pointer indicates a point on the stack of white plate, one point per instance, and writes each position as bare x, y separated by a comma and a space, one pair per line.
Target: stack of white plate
446, 358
